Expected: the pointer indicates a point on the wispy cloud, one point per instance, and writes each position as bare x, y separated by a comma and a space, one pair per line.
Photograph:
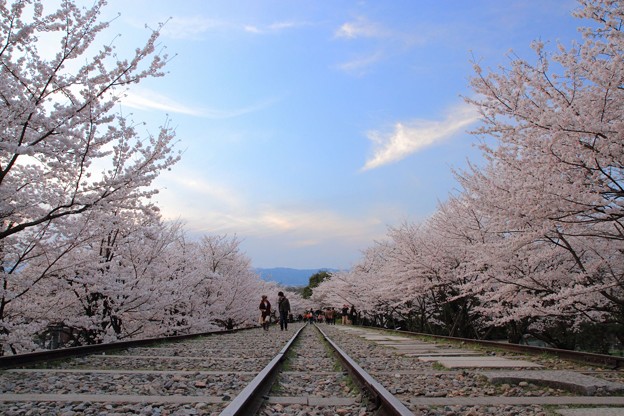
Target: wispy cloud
147, 100
408, 138
311, 226
194, 27
359, 65
142, 99
360, 28
384, 42
191, 28
218, 194
275, 27
213, 207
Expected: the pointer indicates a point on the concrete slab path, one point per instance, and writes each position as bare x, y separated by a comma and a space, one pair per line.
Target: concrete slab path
566, 380
446, 353
480, 362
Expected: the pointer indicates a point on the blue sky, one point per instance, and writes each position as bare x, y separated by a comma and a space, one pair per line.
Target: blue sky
310, 127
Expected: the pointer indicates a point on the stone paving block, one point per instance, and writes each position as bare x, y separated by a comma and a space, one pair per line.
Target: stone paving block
446, 353
480, 362
384, 339
355, 329
417, 351
412, 345
423, 347
391, 337
566, 380
597, 411
376, 338
395, 344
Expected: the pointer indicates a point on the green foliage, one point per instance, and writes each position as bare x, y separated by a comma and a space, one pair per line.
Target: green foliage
306, 293
315, 280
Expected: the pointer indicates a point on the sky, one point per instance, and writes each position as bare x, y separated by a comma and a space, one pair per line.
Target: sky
307, 128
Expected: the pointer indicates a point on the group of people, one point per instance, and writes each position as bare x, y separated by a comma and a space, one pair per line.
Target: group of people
283, 307
329, 315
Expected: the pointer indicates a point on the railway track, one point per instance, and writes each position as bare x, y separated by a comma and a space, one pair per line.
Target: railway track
315, 377
238, 373
335, 370
460, 378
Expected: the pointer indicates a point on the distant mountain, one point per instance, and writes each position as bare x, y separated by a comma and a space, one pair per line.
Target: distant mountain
289, 277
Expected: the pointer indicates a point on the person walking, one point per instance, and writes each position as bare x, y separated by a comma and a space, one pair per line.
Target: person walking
265, 312
283, 306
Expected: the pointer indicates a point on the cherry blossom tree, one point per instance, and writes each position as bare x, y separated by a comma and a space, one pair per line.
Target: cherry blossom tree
139, 277
114, 286
553, 185
57, 123
421, 270
226, 291
63, 151
413, 279
368, 286
533, 243
454, 236
82, 246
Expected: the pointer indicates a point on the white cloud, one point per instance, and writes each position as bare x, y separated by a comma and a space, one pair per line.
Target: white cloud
203, 190
285, 25
358, 66
208, 207
192, 27
305, 227
142, 99
386, 42
408, 138
147, 100
273, 27
361, 28
252, 29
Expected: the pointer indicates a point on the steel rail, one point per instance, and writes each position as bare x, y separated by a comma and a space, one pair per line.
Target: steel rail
386, 403
17, 360
251, 397
611, 361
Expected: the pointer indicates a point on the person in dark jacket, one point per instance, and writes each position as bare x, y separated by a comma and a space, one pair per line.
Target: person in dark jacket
283, 306
353, 315
265, 312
